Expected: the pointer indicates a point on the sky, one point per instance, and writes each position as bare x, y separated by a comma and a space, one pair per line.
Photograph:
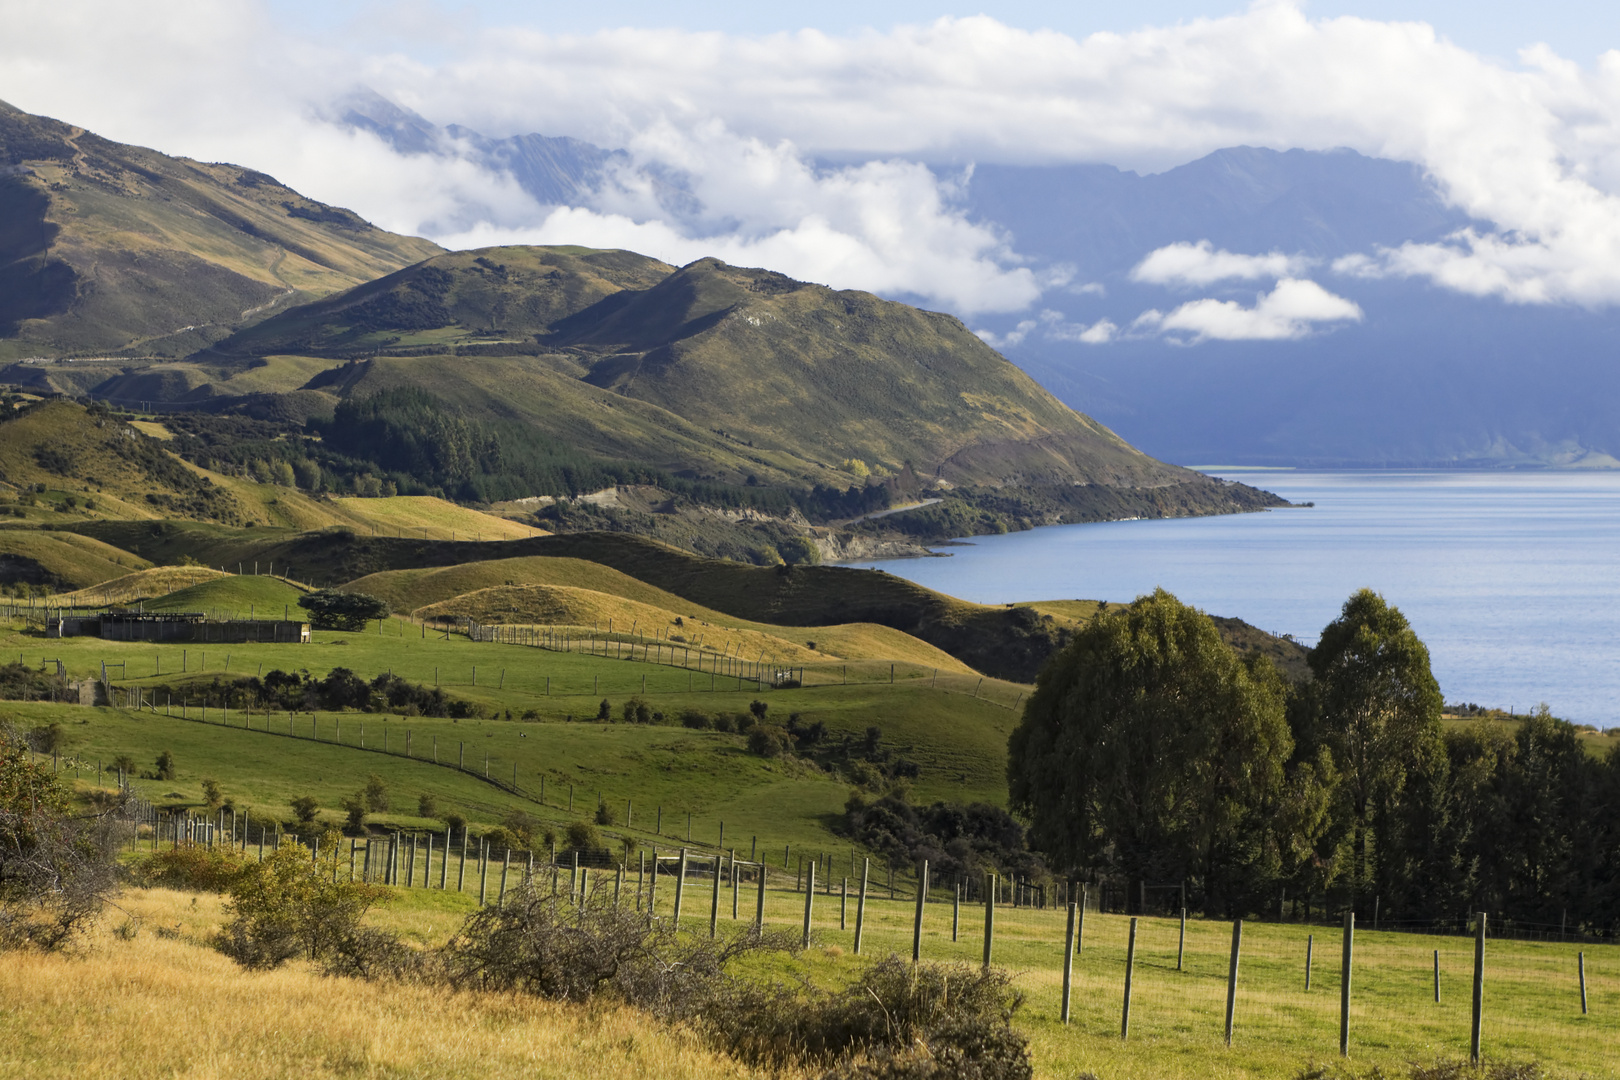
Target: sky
1513, 111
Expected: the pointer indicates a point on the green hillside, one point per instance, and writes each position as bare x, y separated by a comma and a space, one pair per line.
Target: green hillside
235, 597
107, 247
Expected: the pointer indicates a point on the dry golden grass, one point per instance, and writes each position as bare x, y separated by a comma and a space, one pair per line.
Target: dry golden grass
432, 519
173, 1007
427, 591
141, 585
565, 606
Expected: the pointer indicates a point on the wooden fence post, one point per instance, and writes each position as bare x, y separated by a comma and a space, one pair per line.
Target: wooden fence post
1479, 989
483, 872
843, 906
759, 903
1310, 946
714, 901
956, 911
989, 919
680, 887
1068, 964
1344, 982
1181, 942
1580, 963
809, 900
1437, 976
1232, 977
1130, 965
860, 904
917, 919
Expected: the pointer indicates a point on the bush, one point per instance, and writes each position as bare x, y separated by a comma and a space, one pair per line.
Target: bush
582, 836
758, 708
196, 868
376, 793
604, 814
305, 808
57, 868
604, 711
354, 810
767, 742
695, 719
636, 711
724, 722
290, 905
165, 766
426, 805
213, 794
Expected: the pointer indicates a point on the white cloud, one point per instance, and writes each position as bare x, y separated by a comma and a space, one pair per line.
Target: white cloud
1533, 149
1292, 310
1202, 264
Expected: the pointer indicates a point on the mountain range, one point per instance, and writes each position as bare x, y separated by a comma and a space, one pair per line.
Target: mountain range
1412, 374
345, 359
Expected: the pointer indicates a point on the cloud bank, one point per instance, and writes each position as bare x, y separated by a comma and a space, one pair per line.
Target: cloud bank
1533, 149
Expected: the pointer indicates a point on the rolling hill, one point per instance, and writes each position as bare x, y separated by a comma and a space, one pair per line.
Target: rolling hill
112, 248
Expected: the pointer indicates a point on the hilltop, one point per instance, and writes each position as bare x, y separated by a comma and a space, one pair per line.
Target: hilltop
106, 247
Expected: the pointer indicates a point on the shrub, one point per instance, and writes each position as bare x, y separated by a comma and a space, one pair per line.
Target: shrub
758, 708
426, 805
56, 867
604, 711
213, 794
521, 826
724, 722
165, 766
582, 836
193, 867
376, 793
290, 905
636, 711
767, 742
455, 821
354, 810
48, 738
305, 808
604, 814
696, 719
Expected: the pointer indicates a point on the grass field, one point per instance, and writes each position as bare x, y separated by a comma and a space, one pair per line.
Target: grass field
73, 560
103, 1002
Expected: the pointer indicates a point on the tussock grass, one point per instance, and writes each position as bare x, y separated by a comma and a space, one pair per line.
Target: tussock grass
77, 561
433, 519
172, 1007
141, 585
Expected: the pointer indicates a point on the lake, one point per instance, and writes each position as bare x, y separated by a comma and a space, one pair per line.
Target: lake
1511, 579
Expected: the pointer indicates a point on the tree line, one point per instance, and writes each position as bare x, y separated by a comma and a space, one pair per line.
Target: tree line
1151, 753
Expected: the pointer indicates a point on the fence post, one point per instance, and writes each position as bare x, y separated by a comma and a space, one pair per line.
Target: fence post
809, 900
916, 921
680, 887
989, 919
860, 904
1068, 964
1344, 982
714, 901
1479, 989
1232, 977
506, 865
1310, 946
1580, 962
1130, 966
1437, 976
1080, 921
956, 911
483, 872
759, 905
1181, 942
461, 871
843, 906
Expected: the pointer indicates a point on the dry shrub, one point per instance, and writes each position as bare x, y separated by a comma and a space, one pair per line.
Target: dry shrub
56, 867
291, 905
196, 868
898, 1020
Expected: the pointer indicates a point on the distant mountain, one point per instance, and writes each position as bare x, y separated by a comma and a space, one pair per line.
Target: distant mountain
1426, 377
710, 371
107, 248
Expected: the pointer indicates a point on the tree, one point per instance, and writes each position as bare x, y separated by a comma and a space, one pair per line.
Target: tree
427, 805
330, 609
305, 808
165, 766
213, 794
376, 793
1377, 712
1150, 749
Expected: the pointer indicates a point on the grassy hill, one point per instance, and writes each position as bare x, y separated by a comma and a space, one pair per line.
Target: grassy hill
234, 596
60, 560
107, 247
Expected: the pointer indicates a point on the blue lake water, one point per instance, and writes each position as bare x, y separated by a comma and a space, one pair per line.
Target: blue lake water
1512, 579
